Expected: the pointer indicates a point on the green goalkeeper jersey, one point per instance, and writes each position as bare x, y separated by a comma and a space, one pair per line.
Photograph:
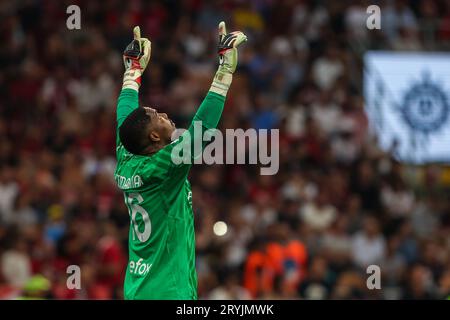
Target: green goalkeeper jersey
158, 195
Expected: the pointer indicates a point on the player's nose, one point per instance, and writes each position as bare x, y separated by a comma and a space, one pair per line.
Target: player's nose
164, 115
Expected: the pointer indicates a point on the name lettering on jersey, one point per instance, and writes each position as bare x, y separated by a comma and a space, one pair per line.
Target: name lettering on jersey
124, 183
139, 268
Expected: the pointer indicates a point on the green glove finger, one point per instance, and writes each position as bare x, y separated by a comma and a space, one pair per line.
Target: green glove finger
239, 39
146, 46
222, 30
137, 33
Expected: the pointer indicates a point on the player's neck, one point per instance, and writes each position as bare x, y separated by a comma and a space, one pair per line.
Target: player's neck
152, 149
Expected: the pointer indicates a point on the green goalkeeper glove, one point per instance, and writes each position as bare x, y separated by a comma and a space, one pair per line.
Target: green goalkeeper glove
135, 58
228, 59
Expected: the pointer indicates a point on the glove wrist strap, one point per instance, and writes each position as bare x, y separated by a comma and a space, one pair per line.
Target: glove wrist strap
132, 79
221, 83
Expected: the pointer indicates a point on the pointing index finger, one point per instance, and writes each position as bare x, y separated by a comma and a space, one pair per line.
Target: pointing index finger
137, 33
222, 29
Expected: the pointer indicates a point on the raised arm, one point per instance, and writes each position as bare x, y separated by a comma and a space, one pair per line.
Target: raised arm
135, 57
210, 110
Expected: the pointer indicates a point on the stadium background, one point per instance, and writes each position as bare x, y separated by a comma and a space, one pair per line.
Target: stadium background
337, 204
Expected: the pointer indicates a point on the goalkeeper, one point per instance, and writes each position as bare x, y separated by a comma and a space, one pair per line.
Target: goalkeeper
157, 193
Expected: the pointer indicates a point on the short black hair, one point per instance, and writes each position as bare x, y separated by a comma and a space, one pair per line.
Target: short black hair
133, 132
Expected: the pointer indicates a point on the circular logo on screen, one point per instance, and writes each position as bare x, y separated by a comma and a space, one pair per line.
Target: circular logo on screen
425, 107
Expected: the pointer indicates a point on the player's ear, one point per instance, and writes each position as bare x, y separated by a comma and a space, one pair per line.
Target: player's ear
154, 136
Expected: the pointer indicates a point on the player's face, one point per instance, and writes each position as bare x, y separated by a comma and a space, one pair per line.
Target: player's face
161, 124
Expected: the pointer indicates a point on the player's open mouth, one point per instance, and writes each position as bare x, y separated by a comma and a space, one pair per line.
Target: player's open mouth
173, 123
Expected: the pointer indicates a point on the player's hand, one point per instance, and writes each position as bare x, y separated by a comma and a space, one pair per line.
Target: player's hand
137, 53
227, 48
228, 59
135, 58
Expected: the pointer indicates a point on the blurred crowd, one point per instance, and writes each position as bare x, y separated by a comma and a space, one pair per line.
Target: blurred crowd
337, 205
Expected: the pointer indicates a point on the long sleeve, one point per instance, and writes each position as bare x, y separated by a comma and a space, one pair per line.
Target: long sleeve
191, 143
210, 110
127, 102
207, 117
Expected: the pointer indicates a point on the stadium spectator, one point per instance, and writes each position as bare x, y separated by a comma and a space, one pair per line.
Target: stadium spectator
337, 205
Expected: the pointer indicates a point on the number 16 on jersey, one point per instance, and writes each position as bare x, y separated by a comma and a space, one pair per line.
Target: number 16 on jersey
133, 201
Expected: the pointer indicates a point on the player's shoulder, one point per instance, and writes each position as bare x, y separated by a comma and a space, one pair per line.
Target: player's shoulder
140, 172
160, 165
